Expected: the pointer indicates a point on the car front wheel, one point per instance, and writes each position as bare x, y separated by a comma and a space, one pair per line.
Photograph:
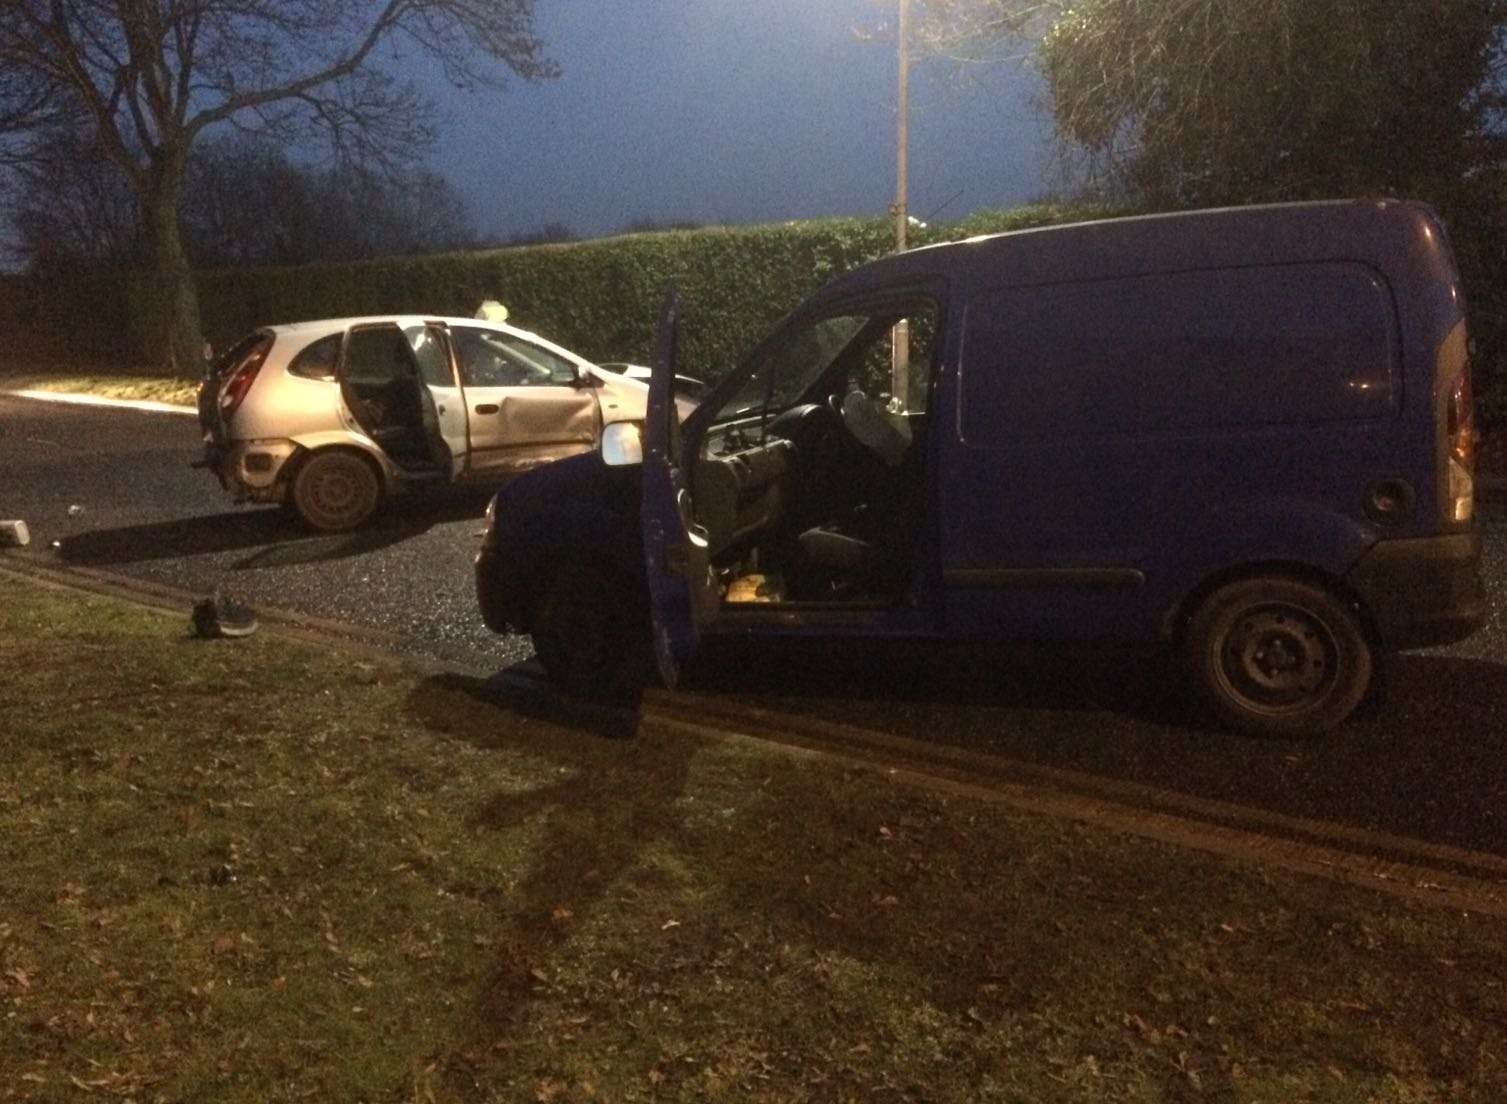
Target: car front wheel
335, 491
1279, 657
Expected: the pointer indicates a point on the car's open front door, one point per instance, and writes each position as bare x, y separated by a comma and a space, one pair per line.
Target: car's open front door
682, 590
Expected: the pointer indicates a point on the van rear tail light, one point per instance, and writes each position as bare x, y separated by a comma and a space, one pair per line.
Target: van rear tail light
1460, 430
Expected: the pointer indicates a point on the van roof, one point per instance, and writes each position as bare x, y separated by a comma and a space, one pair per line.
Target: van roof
1390, 234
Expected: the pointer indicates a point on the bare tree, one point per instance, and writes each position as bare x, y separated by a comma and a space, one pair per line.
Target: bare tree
140, 81
73, 209
247, 203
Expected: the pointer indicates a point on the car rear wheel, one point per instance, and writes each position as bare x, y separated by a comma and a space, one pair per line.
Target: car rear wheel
587, 635
1279, 657
335, 491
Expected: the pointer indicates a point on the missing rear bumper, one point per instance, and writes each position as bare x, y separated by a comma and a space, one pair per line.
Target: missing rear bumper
1425, 591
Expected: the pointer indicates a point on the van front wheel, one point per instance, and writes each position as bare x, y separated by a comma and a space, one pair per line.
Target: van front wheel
587, 636
1278, 657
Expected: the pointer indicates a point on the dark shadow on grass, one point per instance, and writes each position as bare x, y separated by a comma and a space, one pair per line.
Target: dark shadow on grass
1424, 761
797, 880
806, 871
614, 798
1136, 683
527, 697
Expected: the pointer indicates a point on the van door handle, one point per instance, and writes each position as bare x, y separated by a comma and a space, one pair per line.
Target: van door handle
488, 408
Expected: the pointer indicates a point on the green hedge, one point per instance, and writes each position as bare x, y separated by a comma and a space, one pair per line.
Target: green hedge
67, 319
598, 298
601, 298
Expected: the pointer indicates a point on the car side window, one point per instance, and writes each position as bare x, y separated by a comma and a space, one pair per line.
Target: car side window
317, 361
489, 358
428, 344
379, 355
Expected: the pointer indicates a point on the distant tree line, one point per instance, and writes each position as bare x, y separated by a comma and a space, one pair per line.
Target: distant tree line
248, 203
245, 203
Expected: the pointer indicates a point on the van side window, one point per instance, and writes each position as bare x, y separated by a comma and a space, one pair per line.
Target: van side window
1239, 347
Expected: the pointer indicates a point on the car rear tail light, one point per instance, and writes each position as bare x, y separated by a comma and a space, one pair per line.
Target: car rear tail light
1460, 431
241, 379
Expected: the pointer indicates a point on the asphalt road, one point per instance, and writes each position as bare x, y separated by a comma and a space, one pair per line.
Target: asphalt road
115, 490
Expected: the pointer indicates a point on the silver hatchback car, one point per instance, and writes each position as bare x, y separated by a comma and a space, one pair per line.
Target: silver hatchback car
332, 416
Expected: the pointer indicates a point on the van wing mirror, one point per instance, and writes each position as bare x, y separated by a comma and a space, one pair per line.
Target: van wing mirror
622, 444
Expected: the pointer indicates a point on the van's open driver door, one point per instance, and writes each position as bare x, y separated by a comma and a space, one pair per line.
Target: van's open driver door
682, 589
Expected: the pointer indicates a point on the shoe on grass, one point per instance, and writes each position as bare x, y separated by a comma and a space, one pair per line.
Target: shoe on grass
220, 616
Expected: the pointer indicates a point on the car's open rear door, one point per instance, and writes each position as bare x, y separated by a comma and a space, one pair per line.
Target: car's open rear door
682, 590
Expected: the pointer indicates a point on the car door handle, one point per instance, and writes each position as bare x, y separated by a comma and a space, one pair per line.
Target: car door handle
488, 408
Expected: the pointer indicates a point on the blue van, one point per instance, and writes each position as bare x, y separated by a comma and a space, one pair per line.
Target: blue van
1245, 433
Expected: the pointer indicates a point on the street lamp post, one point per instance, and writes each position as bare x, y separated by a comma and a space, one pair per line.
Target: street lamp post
900, 338
902, 166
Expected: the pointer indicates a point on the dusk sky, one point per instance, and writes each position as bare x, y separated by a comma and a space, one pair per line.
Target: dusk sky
732, 111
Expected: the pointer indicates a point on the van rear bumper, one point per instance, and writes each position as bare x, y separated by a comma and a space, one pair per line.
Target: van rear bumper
1423, 591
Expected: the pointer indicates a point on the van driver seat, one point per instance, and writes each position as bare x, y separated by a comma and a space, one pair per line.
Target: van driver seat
836, 551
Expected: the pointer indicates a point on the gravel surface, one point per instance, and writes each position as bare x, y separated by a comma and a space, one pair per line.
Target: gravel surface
116, 490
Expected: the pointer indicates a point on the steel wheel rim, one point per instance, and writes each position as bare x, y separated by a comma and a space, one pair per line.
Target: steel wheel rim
337, 493
1278, 658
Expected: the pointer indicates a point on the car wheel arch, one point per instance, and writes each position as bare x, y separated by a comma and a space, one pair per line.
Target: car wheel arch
307, 450
381, 487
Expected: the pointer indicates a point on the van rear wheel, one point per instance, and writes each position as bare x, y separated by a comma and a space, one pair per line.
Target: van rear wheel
335, 491
1278, 657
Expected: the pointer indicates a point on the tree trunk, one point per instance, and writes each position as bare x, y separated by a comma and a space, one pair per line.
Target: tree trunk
176, 342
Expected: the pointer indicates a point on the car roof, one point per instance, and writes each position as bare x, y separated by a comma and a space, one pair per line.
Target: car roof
294, 329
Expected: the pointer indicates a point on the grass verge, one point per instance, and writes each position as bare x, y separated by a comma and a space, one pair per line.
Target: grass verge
123, 385
259, 870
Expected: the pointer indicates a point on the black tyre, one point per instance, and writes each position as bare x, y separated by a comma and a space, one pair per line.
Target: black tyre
1279, 657
588, 632
335, 491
